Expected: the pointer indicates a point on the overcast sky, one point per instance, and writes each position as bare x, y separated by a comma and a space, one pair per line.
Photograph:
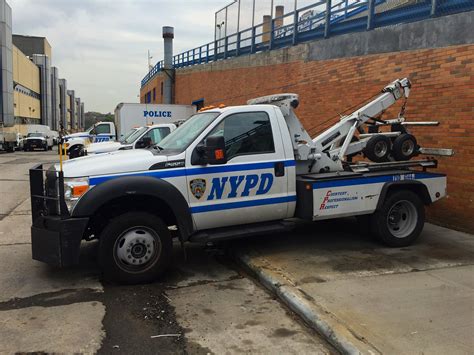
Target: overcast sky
100, 46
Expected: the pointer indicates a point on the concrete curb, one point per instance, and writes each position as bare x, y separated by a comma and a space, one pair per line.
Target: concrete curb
336, 333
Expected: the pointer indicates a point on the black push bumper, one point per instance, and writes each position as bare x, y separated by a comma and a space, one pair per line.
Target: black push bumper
55, 236
57, 241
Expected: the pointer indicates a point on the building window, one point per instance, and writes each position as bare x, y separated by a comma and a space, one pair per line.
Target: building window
154, 94
148, 97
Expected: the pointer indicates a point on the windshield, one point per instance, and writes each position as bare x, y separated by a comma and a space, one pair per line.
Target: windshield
185, 134
90, 128
35, 134
130, 138
124, 138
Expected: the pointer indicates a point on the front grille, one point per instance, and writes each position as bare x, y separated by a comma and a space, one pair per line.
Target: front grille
37, 142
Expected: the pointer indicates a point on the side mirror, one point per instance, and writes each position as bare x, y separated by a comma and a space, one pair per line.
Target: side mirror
211, 152
144, 142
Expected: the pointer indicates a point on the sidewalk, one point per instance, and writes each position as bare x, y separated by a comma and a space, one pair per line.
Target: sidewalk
366, 298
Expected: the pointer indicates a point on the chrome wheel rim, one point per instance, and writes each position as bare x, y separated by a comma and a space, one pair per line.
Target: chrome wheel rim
380, 149
408, 147
402, 218
137, 249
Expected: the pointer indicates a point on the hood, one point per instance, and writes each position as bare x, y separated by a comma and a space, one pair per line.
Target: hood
111, 163
38, 138
103, 147
77, 135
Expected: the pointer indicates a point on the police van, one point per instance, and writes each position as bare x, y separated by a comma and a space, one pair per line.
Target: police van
129, 115
227, 172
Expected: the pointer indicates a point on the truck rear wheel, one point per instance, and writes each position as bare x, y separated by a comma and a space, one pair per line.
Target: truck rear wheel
400, 220
135, 247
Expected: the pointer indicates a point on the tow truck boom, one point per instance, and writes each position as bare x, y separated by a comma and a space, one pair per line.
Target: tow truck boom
328, 151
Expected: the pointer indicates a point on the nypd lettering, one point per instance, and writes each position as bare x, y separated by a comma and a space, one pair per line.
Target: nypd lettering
241, 185
164, 114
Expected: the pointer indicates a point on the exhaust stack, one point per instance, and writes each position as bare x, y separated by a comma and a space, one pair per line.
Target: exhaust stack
168, 78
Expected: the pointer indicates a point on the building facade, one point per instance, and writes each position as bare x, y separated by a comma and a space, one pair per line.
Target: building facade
31, 91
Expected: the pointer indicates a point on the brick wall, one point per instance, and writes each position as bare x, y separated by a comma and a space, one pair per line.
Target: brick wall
443, 90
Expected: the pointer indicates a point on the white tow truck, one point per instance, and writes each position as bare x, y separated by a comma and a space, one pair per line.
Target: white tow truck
233, 172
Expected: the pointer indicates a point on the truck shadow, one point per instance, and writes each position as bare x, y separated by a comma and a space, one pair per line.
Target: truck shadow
337, 247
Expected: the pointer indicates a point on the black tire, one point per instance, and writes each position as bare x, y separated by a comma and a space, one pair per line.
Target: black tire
404, 147
377, 148
76, 152
131, 227
400, 220
25, 149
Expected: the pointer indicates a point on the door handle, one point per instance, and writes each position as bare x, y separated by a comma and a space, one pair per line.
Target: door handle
279, 169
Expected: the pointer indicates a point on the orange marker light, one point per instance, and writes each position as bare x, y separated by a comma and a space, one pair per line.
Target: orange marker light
79, 190
219, 154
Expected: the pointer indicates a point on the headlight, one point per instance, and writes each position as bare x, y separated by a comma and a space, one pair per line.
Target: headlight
74, 188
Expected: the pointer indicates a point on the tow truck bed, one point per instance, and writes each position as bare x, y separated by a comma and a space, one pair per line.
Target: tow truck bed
349, 193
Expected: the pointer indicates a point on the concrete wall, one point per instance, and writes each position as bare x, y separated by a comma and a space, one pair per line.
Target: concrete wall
83, 116
44, 65
6, 65
55, 99
63, 110
329, 82
72, 109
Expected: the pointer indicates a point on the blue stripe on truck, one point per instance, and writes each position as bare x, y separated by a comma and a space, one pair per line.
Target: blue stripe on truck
161, 174
373, 180
242, 204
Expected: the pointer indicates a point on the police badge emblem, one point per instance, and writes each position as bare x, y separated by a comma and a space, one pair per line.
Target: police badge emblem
198, 187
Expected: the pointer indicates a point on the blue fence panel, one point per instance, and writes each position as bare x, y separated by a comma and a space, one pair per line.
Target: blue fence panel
309, 23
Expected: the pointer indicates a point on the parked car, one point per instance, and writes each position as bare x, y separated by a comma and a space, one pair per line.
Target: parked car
36, 141
141, 137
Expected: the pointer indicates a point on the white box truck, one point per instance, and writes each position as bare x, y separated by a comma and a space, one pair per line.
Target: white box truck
130, 115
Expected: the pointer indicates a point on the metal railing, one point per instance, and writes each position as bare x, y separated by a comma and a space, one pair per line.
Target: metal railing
309, 23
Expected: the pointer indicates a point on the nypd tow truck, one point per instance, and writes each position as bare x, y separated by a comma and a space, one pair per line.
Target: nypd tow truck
234, 171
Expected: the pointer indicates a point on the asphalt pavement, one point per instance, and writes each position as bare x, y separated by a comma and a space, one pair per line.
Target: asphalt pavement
205, 304
367, 298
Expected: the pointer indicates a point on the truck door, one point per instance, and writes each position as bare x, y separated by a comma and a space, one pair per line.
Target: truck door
103, 132
253, 185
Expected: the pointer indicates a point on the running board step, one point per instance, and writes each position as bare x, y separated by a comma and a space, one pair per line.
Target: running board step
245, 230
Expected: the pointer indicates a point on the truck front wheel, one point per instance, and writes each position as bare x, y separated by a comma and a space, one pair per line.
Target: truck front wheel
135, 247
400, 220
